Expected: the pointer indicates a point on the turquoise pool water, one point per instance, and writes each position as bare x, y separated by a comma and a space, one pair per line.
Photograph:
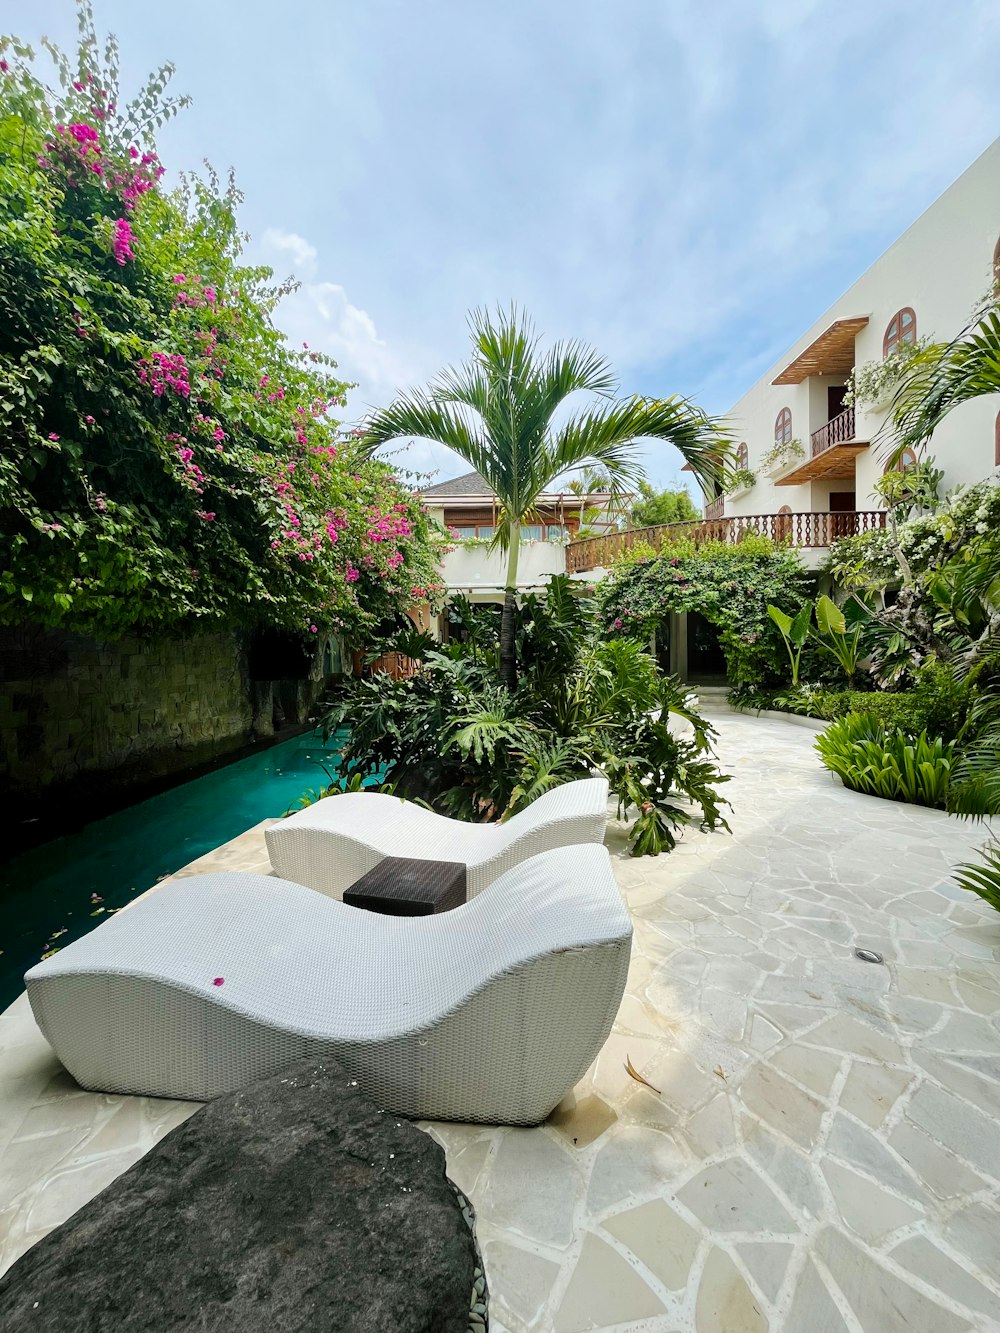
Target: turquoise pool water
51, 888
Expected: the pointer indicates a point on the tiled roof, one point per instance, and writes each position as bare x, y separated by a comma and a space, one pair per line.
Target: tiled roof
469, 484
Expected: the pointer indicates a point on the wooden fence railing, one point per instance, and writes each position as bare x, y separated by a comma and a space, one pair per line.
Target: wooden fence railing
812, 529
836, 431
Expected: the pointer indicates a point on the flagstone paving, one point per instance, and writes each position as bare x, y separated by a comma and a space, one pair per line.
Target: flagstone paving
820, 1148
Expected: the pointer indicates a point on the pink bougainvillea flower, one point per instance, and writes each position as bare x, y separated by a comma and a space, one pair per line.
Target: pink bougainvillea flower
313, 629
89, 419
53, 435
122, 241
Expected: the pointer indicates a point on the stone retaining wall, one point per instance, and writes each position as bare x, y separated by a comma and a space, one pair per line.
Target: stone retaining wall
70, 705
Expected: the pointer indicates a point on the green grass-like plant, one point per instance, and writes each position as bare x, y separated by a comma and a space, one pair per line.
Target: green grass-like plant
889, 764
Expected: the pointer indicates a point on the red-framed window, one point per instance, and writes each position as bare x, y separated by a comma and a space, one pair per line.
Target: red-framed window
783, 426
907, 459
902, 328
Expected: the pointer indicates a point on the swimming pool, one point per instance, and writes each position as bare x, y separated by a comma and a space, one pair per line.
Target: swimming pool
51, 888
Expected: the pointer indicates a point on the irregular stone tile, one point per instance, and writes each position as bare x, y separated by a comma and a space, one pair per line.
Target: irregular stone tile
63, 1193
25, 1164
871, 1091
942, 1173
925, 984
968, 1133
869, 1210
731, 1196
978, 998
813, 1309
712, 1129
791, 1018
533, 1188
581, 1120
786, 1167
912, 1017
782, 1105
816, 1068
603, 1290
520, 1282
466, 1166
659, 1238
843, 1033
957, 1077
681, 1082
725, 1301
763, 1033
965, 1032
724, 1013
972, 1232
632, 1163
859, 1147
882, 1303
767, 1261
935, 1267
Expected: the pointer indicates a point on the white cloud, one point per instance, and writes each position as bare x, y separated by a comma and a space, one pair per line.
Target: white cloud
279, 245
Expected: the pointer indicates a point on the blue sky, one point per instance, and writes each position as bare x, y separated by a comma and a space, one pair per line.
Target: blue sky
686, 185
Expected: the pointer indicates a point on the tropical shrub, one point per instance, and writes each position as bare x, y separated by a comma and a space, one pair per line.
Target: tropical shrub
730, 585
453, 737
869, 759
655, 508
983, 878
168, 458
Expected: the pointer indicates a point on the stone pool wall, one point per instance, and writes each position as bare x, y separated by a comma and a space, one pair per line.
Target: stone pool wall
71, 705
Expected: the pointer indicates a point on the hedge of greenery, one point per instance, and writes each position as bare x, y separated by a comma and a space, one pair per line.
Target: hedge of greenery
730, 585
168, 459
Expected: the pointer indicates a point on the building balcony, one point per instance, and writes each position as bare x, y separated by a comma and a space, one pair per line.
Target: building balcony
832, 452
813, 530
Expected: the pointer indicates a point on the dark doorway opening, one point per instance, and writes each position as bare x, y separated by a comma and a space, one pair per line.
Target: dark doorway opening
835, 400
706, 660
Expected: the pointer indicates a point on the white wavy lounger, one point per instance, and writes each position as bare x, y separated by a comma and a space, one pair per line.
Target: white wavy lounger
331, 844
489, 1013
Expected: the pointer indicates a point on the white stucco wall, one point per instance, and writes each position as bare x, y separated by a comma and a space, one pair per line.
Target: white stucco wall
478, 568
941, 267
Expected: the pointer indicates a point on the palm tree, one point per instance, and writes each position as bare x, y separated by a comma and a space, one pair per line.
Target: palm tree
497, 412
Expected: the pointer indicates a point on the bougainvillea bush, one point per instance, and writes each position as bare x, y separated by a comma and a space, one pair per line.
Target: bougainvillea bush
167, 457
730, 585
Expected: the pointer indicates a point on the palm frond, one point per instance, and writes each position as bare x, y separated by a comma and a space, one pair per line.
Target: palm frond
605, 436
941, 378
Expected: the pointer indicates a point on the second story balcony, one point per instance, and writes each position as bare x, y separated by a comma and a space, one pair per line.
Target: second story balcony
832, 451
812, 531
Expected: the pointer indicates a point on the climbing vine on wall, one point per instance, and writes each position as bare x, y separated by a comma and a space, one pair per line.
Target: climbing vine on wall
730, 585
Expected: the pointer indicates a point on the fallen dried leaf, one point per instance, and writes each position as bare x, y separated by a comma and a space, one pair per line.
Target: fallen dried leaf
632, 1072
720, 1072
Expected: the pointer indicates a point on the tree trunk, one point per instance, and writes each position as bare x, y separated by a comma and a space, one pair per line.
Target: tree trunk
508, 659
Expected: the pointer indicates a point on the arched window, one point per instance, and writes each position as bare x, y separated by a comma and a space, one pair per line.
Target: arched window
783, 426
743, 455
907, 459
902, 328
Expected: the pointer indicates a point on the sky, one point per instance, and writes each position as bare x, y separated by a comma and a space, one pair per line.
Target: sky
685, 184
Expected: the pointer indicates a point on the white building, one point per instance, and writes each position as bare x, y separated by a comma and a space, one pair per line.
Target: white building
469, 508
925, 285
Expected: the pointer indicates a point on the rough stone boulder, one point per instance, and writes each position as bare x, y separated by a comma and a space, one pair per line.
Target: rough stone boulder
292, 1206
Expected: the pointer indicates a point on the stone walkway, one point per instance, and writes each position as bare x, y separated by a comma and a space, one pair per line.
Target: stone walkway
822, 1151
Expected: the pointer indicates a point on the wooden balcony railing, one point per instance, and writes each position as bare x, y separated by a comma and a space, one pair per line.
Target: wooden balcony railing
715, 508
811, 530
838, 430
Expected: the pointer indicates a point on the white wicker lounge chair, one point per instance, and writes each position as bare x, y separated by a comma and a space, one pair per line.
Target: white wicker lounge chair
489, 1013
331, 844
